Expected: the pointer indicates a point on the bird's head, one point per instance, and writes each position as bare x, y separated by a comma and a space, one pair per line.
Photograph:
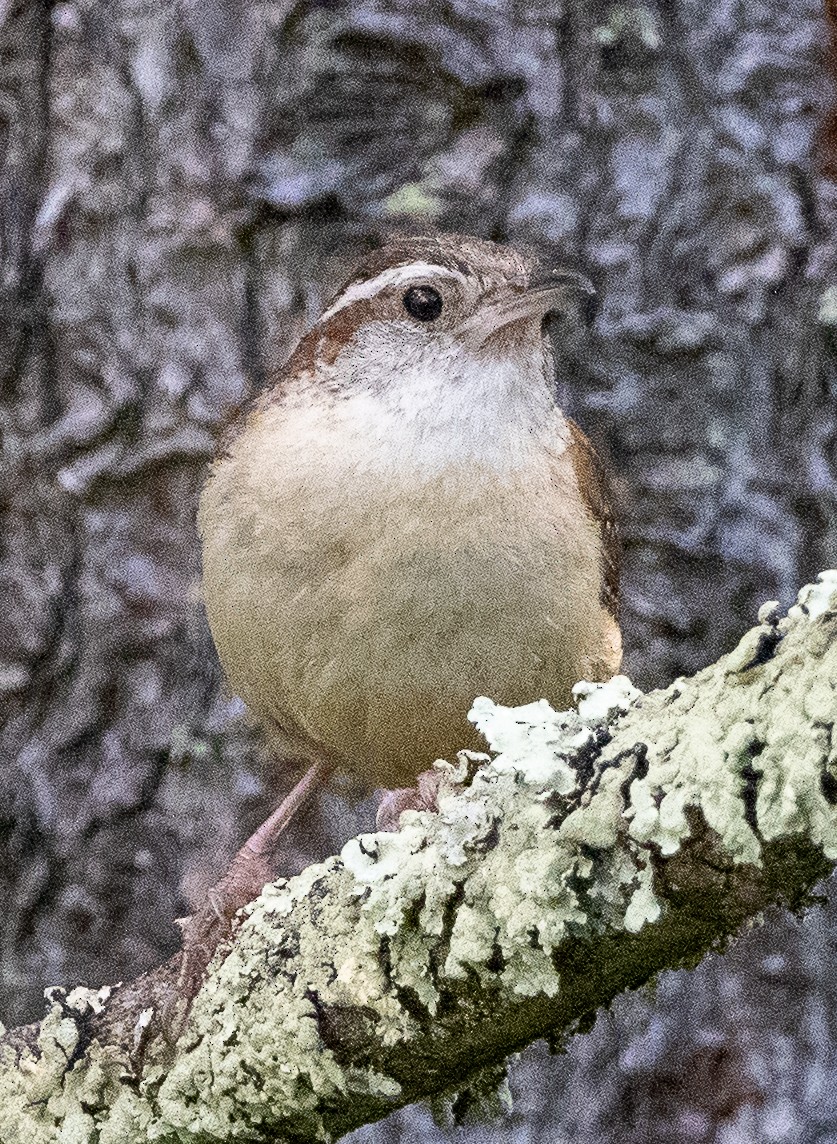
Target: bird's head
428, 318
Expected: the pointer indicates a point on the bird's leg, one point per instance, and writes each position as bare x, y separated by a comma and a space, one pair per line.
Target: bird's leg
245, 877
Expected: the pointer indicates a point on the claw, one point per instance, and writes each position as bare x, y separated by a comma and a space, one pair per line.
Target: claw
423, 796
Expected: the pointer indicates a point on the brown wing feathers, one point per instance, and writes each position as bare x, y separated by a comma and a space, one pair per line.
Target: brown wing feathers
597, 496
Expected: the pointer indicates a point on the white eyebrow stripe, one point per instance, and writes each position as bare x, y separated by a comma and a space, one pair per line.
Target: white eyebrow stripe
394, 276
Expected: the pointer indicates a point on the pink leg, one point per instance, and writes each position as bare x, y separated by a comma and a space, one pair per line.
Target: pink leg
246, 875
259, 845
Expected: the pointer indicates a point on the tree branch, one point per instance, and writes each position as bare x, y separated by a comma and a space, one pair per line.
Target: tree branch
595, 849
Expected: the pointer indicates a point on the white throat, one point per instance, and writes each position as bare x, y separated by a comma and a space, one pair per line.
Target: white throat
433, 410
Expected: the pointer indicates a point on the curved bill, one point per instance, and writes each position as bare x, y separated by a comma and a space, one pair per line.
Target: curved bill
563, 292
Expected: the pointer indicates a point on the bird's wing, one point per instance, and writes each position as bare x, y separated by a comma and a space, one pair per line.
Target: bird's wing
597, 496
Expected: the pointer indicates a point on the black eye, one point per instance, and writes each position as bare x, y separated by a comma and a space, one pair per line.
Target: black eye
423, 302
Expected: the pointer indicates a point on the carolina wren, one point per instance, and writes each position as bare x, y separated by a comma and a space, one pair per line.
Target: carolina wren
407, 520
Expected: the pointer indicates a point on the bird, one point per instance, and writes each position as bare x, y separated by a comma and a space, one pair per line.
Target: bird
406, 519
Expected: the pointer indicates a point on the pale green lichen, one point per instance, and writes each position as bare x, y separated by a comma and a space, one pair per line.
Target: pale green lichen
520, 901
559, 835
815, 600
603, 702
44, 1098
644, 905
440, 871
706, 762
414, 200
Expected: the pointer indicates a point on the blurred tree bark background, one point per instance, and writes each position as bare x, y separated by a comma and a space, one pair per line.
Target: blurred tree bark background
181, 184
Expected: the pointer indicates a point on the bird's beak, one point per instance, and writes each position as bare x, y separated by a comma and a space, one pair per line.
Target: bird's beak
547, 292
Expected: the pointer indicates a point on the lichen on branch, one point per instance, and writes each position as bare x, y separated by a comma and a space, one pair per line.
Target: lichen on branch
589, 850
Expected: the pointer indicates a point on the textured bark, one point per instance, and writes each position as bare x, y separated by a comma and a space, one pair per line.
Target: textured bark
595, 850
179, 186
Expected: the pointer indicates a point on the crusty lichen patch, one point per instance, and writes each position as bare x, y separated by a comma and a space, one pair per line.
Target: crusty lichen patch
748, 741
58, 1093
411, 959
490, 882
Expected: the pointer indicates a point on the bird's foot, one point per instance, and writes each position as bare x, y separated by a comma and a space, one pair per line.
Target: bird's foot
211, 928
423, 796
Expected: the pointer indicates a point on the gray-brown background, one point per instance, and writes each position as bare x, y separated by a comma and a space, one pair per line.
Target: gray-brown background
179, 184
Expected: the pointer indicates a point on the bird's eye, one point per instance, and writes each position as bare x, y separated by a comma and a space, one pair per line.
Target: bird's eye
423, 303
